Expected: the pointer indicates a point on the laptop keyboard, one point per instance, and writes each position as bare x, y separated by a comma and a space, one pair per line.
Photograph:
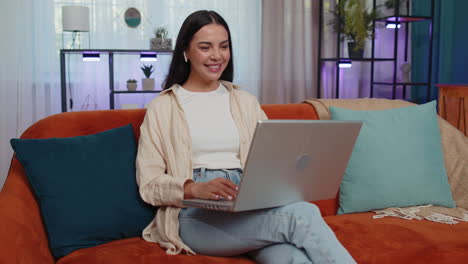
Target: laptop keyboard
212, 204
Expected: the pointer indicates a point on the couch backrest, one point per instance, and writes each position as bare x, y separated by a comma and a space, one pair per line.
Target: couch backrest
72, 124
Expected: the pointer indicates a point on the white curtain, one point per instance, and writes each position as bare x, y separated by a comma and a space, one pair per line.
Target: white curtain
32, 36
28, 75
289, 53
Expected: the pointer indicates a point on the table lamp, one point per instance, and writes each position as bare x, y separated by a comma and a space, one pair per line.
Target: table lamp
75, 19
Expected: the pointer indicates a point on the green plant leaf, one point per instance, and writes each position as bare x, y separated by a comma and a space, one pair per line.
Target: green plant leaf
147, 70
354, 21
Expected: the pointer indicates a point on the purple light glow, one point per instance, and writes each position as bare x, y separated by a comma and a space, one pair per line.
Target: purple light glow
148, 56
345, 64
393, 25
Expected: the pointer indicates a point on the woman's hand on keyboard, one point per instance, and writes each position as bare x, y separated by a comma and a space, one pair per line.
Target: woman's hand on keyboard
215, 189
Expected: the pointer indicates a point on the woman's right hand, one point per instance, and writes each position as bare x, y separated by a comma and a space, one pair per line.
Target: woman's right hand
211, 190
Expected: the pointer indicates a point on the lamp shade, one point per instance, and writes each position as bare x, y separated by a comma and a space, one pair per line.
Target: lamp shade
75, 18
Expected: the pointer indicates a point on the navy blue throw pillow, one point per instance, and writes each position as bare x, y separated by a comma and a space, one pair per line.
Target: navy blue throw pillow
86, 188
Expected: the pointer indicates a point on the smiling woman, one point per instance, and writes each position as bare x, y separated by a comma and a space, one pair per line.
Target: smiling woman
203, 53
208, 55
193, 145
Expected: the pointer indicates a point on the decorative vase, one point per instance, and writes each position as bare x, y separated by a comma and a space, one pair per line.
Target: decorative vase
131, 86
161, 44
405, 69
148, 84
353, 53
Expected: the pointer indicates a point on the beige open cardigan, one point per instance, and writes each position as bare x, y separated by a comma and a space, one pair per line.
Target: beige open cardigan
455, 147
164, 159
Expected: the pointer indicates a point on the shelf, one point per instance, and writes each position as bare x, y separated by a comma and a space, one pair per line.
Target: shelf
363, 59
400, 83
110, 59
336, 50
123, 91
403, 18
116, 51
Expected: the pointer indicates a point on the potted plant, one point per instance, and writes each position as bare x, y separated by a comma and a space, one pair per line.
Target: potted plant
131, 84
148, 83
355, 22
161, 42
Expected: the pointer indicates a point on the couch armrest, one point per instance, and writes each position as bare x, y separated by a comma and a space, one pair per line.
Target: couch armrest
22, 235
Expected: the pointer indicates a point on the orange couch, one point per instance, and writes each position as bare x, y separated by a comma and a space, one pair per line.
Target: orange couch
388, 240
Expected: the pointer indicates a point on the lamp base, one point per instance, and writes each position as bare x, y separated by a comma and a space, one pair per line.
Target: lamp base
76, 40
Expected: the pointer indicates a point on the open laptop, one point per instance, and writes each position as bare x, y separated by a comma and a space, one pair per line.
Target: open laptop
290, 161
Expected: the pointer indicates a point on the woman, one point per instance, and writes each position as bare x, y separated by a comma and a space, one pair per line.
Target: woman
193, 144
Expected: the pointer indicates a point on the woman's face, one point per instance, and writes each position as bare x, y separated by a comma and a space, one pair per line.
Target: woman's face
209, 53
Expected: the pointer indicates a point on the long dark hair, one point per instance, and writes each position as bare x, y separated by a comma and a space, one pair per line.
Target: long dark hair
179, 70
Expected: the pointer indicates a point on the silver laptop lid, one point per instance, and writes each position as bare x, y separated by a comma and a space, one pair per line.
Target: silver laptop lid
294, 160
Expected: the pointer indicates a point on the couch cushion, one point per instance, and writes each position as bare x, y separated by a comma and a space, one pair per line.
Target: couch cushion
395, 240
370, 241
136, 250
72, 124
86, 187
397, 160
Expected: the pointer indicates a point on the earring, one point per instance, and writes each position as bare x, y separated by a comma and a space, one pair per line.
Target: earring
185, 57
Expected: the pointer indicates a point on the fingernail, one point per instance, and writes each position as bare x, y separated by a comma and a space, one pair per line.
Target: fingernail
230, 197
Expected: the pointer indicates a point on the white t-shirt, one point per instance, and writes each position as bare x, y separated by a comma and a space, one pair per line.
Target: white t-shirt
215, 137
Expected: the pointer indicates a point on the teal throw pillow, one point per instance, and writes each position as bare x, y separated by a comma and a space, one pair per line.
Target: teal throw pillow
397, 160
86, 188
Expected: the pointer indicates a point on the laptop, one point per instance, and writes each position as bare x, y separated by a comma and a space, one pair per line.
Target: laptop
290, 161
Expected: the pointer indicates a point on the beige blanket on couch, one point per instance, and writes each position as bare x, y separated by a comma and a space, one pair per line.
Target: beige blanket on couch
455, 146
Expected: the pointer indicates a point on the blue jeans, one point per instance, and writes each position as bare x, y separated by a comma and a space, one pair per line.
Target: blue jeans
294, 233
